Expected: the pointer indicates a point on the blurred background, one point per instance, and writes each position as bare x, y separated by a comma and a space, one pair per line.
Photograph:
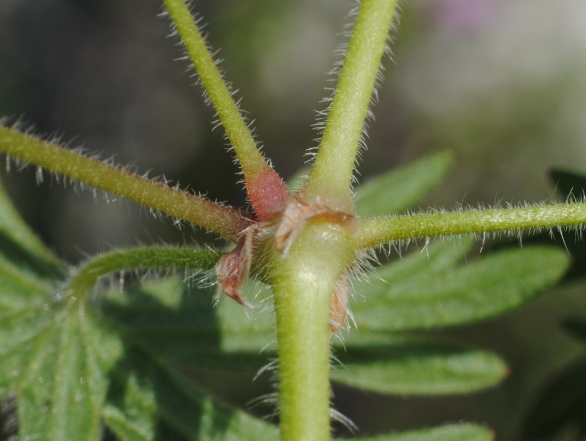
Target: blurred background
499, 81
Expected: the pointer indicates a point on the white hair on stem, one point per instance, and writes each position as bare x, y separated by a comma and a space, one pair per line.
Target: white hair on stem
332, 81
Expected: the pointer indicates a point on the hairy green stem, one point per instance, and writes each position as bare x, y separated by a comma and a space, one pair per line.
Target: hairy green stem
249, 156
377, 231
303, 280
331, 175
226, 221
162, 257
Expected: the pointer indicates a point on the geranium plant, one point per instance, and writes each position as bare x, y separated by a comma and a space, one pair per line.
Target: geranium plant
77, 356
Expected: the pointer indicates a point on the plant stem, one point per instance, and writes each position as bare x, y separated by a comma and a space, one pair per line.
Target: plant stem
214, 217
377, 231
165, 257
303, 280
258, 174
332, 172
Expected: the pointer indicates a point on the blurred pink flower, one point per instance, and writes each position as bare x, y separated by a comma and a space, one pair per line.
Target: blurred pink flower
461, 15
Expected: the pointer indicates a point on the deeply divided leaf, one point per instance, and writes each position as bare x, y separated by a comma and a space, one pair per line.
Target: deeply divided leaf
63, 400
150, 402
22, 335
403, 187
408, 365
470, 292
181, 325
450, 432
21, 289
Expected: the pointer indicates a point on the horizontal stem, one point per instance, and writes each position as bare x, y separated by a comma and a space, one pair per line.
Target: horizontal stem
177, 258
377, 231
214, 217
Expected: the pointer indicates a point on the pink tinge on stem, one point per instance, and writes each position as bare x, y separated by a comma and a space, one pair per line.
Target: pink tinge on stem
268, 194
233, 268
298, 213
295, 218
339, 304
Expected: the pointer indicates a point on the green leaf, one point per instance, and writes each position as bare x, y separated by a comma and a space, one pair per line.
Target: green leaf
473, 291
34, 396
21, 333
167, 324
182, 326
20, 245
403, 187
21, 289
148, 401
436, 258
408, 365
450, 432
62, 395
561, 405
124, 428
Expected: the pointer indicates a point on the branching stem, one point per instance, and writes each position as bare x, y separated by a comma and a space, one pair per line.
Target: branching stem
163, 257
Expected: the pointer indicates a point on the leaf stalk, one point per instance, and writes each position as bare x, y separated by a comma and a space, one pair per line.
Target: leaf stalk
381, 230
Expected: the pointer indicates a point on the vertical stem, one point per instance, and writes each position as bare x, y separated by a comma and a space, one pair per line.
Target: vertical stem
332, 171
303, 280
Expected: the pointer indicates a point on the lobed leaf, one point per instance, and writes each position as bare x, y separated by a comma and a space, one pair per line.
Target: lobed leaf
21, 335
148, 401
186, 328
64, 397
409, 365
21, 289
125, 429
450, 432
403, 187
35, 391
167, 324
477, 290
